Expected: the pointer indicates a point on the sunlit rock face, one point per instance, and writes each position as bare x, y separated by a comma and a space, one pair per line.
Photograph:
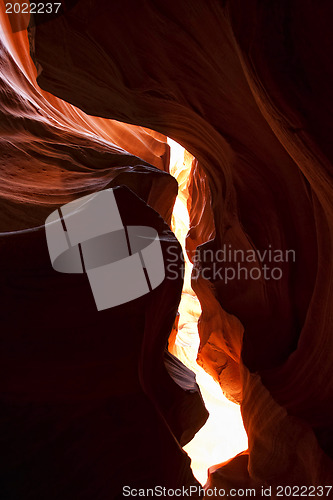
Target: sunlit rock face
247, 90
52, 152
90, 401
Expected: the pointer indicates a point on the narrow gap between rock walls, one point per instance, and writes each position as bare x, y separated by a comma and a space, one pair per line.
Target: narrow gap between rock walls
223, 436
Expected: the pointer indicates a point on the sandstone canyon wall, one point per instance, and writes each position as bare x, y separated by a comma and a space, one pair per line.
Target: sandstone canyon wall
246, 88
87, 401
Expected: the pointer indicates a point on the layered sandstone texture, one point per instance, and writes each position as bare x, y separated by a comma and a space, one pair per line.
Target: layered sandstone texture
246, 87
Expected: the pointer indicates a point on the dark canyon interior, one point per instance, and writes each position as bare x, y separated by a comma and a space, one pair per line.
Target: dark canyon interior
92, 400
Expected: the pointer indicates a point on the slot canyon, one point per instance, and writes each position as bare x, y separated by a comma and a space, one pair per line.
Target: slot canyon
210, 122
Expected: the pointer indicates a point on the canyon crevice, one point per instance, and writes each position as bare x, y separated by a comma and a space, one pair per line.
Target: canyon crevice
246, 89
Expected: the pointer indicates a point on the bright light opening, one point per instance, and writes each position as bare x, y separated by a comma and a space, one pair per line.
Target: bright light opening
223, 436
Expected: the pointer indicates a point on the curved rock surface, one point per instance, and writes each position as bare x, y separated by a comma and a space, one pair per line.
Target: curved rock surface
87, 402
247, 90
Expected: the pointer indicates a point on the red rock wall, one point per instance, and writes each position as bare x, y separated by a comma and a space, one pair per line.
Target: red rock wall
246, 88
87, 401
